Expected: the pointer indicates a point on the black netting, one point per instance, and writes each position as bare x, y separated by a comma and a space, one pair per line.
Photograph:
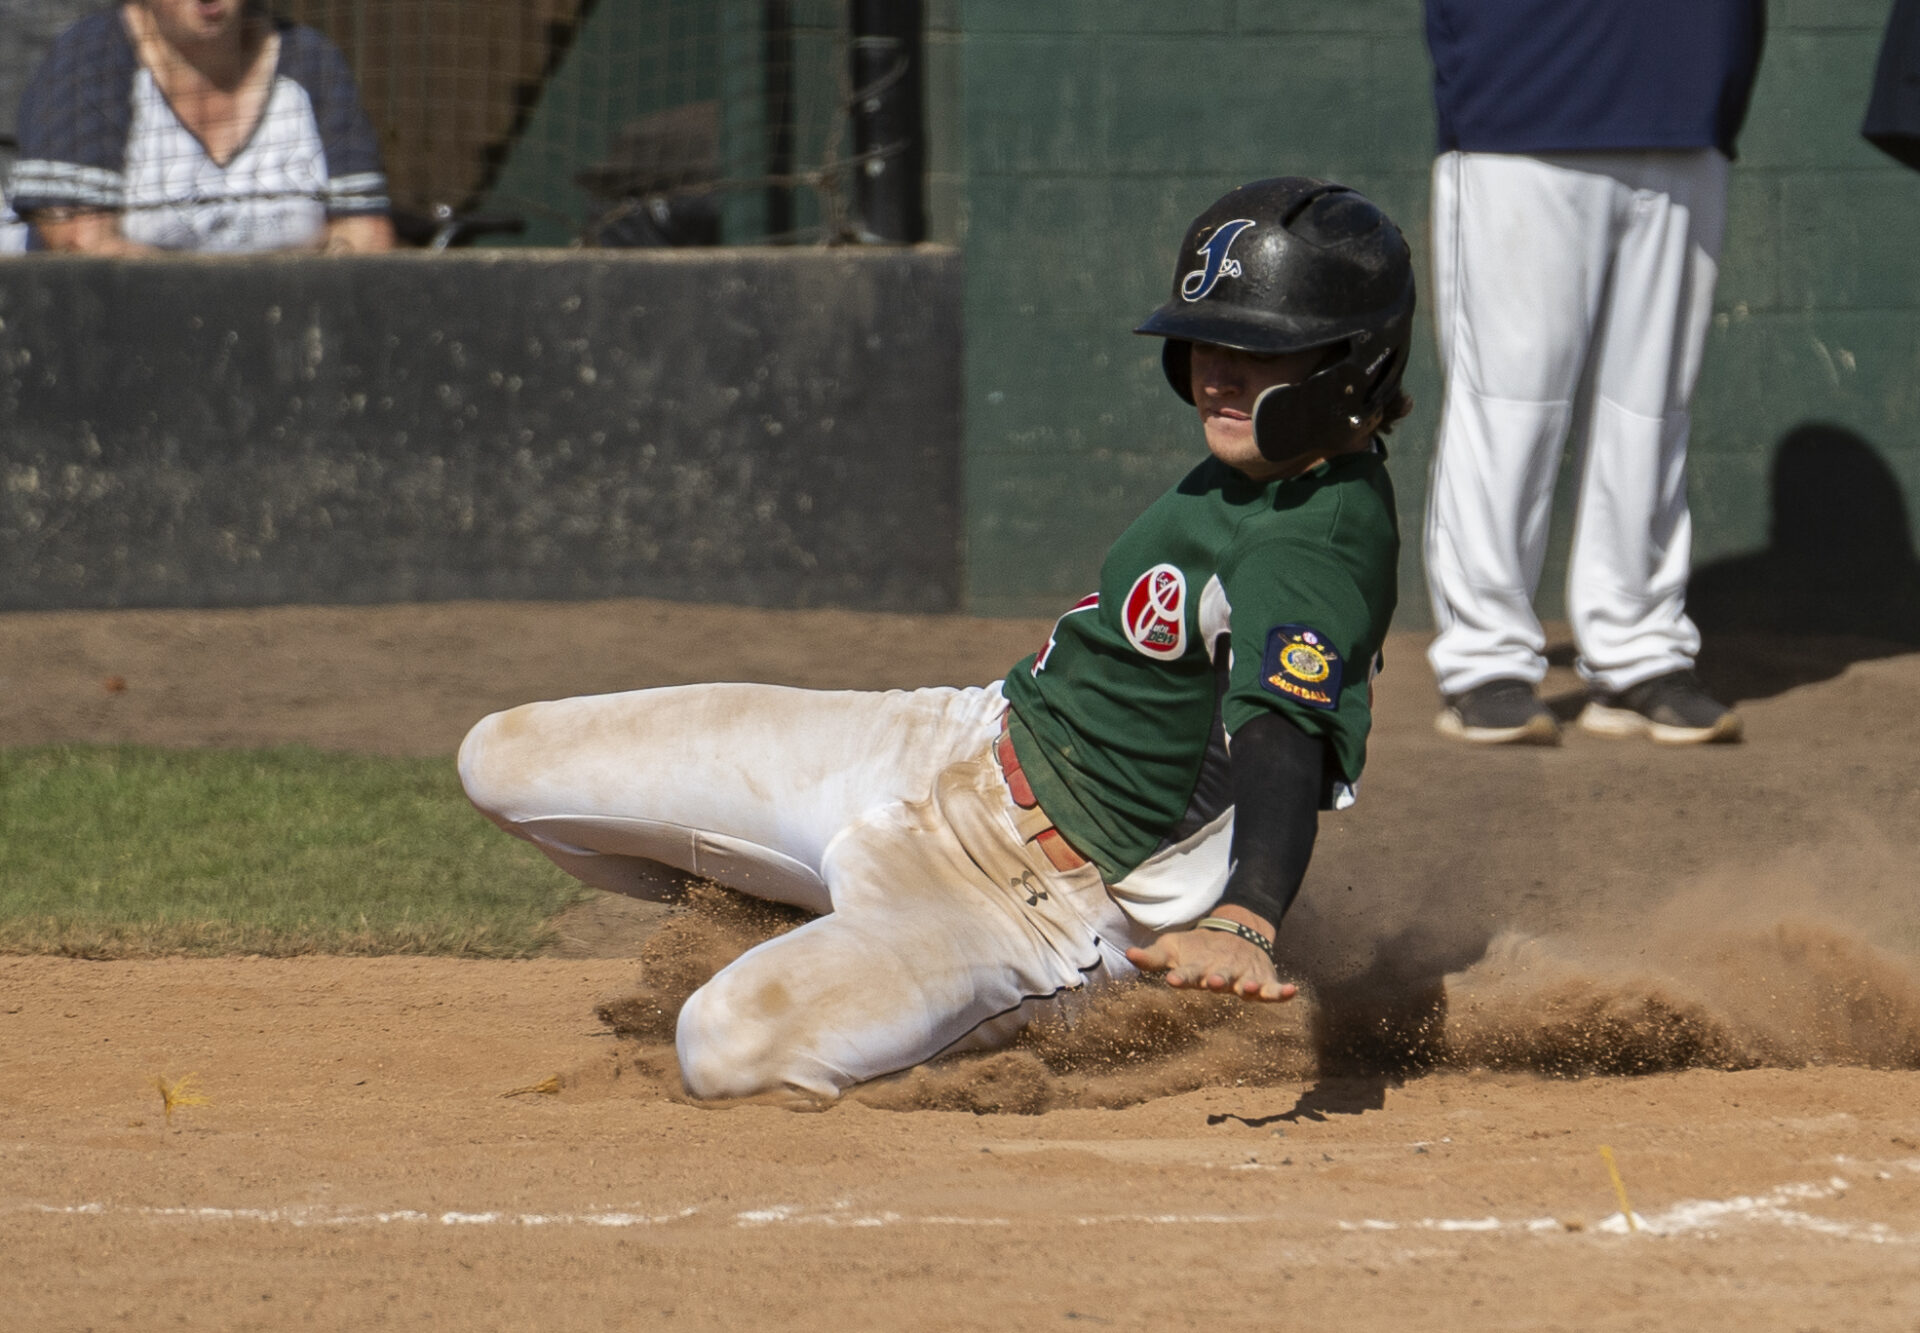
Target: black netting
555, 122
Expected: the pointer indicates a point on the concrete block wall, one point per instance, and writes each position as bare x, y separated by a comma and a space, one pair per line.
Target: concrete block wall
1094, 130
755, 425
1091, 131
1070, 142
1818, 311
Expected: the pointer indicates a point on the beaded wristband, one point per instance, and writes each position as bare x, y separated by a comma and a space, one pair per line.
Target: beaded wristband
1247, 933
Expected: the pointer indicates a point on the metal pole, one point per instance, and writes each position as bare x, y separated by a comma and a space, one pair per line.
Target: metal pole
777, 20
888, 126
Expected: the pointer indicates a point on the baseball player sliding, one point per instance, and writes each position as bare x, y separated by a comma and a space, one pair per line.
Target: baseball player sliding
975, 854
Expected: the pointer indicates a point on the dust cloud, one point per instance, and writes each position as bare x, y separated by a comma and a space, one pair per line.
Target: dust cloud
1814, 959
1735, 972
713, 927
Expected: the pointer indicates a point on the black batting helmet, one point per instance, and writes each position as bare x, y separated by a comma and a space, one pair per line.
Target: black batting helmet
1286, 265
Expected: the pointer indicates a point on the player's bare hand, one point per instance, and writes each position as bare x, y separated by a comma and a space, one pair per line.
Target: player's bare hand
1213, 960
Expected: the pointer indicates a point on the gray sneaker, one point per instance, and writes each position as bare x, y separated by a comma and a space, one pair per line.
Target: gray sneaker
1500, 712
1671, 709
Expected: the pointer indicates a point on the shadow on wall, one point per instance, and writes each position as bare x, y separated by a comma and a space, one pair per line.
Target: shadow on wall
1838, 582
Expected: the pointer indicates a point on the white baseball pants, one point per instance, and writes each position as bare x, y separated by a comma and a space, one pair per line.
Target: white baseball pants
944, 931
1572, 294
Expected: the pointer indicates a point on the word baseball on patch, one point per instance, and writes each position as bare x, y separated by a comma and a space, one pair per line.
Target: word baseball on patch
1301, 665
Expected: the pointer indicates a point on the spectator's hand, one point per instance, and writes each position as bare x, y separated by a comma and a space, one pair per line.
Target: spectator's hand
358, 233
87, 233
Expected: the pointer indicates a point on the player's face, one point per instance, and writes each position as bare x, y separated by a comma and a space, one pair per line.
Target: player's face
186, 23
1226, 383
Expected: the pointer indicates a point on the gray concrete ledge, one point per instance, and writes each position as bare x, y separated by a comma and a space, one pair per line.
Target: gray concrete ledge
763, 426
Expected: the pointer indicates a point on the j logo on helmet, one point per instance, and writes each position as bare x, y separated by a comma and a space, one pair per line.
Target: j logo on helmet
1201, 281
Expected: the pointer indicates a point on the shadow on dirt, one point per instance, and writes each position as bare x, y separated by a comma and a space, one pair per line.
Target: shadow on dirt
1371, 1032
1325, 1097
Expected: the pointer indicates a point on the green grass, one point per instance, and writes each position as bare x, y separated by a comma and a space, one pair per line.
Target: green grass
115, 852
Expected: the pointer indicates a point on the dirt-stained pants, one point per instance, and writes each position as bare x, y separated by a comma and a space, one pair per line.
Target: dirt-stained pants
886, 812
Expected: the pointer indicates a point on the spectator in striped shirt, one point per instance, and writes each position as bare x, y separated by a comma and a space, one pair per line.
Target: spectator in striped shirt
197, 125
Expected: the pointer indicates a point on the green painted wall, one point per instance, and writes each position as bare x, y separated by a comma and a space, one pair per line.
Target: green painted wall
632, 57
1819, 300
629, 58
1073, 139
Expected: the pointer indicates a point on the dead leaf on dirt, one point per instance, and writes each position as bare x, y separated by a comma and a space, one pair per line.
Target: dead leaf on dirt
181, 1092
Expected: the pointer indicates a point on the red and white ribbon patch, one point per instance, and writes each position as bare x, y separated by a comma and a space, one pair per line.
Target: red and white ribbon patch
1155, 613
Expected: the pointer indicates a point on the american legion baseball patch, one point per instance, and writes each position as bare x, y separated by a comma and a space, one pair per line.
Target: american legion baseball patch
1302, 666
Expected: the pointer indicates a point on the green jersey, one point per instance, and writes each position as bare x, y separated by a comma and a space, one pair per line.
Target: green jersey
1226, 598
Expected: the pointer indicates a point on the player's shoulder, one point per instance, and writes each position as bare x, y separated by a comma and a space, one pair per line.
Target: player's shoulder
1349, 494
1341, 530
1366, 487
1207, 477
1197, 503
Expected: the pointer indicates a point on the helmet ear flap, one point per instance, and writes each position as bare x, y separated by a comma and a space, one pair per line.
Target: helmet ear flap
1313, 416
1176, 359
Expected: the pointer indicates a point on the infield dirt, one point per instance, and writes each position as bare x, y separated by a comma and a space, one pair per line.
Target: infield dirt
1706, 960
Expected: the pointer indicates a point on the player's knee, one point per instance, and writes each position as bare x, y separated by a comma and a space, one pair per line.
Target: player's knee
492, 769
730, 1046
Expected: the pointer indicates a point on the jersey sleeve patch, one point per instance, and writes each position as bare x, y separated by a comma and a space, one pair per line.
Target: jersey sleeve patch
1301, 665
1155, 614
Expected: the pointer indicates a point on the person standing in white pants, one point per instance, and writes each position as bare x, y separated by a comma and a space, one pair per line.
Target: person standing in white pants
1579, 202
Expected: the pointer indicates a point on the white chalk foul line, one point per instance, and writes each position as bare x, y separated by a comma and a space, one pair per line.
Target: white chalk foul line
841, 1215
308, 1216
313, 1216
1710, 1215
1693, 1217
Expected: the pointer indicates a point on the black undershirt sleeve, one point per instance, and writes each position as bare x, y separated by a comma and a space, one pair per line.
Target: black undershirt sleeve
1278, 771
